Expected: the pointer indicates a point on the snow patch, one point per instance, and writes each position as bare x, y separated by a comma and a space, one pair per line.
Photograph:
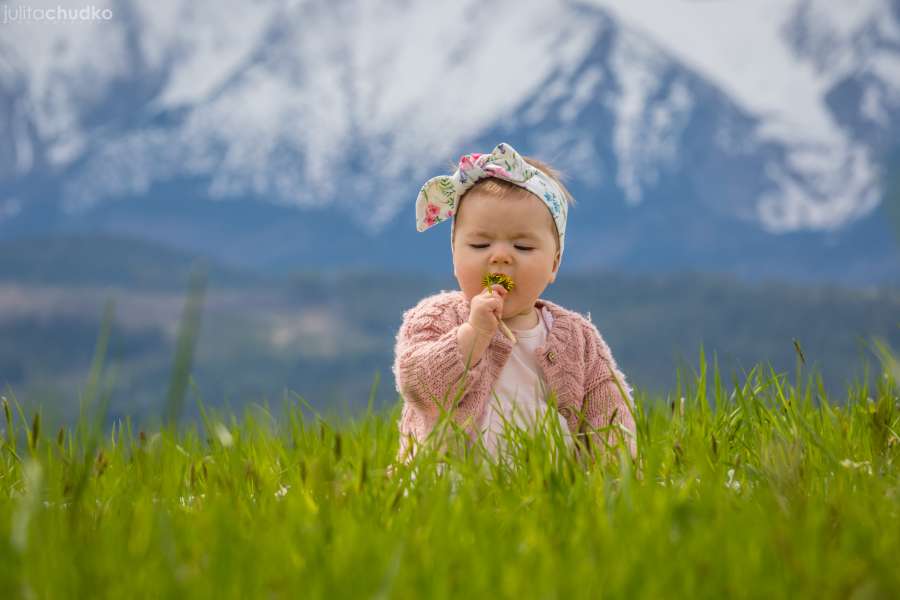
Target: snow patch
648, 124
745, 48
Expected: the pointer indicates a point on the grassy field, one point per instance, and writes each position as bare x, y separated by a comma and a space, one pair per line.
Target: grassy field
755, 488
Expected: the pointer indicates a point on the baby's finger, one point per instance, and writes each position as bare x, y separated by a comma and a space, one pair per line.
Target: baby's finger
496, 303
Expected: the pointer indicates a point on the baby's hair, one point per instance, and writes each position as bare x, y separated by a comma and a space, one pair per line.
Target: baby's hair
501, 188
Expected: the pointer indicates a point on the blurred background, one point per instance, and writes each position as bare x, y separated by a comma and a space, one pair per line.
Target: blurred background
736, 166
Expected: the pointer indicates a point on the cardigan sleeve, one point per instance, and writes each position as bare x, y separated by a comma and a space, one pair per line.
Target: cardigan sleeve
428, 362
608, 405
608, 418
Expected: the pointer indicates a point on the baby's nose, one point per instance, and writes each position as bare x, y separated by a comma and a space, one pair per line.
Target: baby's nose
501, 256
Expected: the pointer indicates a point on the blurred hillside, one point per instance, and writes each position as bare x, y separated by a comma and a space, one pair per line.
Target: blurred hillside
324, 334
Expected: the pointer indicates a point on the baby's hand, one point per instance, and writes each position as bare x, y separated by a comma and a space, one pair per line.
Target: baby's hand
486, 309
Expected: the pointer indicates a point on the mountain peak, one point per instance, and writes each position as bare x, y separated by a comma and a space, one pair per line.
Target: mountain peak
773, 114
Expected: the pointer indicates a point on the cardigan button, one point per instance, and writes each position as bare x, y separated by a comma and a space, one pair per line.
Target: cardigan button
566, 412
551, 356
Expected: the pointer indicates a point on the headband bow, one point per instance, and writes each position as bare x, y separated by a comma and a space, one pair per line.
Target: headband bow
439, 197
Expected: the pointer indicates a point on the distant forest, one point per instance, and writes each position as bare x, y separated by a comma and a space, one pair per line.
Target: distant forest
324, 336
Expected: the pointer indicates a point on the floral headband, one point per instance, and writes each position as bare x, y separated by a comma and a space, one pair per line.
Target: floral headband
439, 197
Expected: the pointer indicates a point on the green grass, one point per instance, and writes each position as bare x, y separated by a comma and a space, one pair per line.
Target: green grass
760, 487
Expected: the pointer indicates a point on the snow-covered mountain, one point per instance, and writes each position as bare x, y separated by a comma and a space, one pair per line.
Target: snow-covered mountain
708, 134
788, 64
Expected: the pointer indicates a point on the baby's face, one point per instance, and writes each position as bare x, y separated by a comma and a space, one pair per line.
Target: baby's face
514, 235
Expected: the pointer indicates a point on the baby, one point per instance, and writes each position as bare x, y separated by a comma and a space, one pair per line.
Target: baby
508, 216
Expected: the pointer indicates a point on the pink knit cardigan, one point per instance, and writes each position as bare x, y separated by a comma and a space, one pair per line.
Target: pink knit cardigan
576, 362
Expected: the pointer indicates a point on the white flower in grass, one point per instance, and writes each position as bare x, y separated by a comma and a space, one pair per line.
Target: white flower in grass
225, 437
864, 465
732, 483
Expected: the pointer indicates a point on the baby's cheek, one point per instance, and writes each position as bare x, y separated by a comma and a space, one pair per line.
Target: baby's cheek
470, 288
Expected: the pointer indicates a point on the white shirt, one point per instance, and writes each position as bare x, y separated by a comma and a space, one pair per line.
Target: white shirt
519, 396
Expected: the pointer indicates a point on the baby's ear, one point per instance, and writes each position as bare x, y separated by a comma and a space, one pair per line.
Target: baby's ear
555, 267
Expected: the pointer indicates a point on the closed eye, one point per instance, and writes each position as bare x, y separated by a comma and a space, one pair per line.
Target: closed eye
482, 246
